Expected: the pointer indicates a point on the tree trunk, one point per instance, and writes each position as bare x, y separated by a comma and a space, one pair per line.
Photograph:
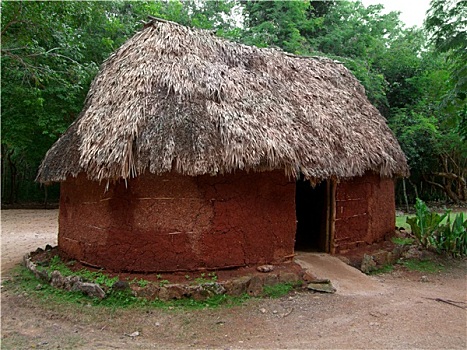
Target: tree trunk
446, 187
13, 175
405, 195
415, 188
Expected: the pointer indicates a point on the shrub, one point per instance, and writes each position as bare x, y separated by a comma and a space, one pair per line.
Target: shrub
432, 233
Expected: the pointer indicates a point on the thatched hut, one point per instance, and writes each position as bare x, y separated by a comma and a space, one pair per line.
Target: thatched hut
194, 152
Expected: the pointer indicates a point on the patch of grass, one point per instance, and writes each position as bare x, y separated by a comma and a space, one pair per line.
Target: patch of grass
383, 269
140, 282
402, 241
163, 283
24, 282
120, 299
422, 265
96, 277
215, 301
278, 290
211, 277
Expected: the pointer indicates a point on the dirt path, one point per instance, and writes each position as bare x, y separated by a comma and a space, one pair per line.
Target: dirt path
24, 231
395, 311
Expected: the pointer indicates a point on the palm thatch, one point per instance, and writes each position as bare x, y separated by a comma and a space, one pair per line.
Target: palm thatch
179, 99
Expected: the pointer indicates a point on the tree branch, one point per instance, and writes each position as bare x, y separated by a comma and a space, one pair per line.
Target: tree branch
446, 188
450, 176
433, 183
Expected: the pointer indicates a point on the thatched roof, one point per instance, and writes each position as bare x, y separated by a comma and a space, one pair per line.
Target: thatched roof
179, 99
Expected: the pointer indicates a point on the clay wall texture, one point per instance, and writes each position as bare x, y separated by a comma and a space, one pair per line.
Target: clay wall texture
365, 211
175, 223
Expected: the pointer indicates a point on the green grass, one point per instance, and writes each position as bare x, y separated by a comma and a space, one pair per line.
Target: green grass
422, 265
211, 277
402, 241
139, 282
96, 277
383, 269
279, 290
24, 282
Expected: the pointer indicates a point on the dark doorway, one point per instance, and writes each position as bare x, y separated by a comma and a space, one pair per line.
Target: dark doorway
312, 212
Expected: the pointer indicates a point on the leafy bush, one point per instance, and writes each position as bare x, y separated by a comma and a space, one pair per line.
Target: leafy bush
432, 233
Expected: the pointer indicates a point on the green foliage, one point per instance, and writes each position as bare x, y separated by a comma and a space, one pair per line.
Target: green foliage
51, 51
282, 24
446, 24
453, 238
428, 228
418, 135
425, 224
47, 66
429, 133
365, 41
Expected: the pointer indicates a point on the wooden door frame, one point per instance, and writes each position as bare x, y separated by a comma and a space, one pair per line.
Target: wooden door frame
330, 215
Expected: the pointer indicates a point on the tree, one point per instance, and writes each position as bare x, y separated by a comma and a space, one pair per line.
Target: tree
44, 79
50, 53
282, 24
446, 22
436, 152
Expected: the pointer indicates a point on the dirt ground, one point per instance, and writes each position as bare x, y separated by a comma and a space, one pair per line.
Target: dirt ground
395, 310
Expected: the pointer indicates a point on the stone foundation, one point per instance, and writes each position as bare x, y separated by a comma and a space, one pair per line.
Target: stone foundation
252, 284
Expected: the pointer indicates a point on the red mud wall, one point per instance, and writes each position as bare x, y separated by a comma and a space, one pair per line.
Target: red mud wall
174, 222
365, 211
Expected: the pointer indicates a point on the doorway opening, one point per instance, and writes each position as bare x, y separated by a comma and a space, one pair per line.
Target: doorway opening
313, 211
